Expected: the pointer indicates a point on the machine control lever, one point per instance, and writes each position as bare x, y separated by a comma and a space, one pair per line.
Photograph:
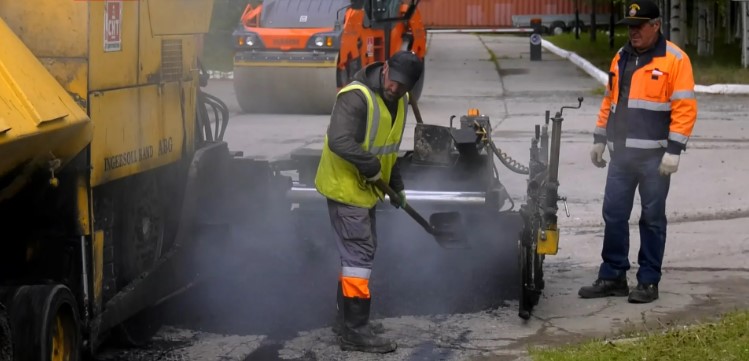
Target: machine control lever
566, 209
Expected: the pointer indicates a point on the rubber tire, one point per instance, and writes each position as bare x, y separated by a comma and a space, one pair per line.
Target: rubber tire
557, 28
137, 250
33, 314
138, 330
6, 341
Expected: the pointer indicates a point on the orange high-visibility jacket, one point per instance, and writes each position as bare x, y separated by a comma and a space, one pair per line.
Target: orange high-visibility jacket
662, 107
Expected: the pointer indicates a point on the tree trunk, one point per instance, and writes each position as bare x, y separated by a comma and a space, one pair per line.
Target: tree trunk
665, 6
725, 17
593, 20
745, 33
577, 19
612, 25
705, 28
677, 23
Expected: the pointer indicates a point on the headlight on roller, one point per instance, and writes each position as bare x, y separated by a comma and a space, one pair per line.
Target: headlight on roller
319, 41
250, 40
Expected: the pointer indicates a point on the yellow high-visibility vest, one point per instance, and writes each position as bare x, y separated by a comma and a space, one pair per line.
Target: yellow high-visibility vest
338, 179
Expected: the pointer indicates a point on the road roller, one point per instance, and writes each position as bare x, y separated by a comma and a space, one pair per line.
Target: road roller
454, 169
293, 56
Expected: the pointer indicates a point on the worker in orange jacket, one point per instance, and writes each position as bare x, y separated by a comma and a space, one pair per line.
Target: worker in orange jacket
646, 118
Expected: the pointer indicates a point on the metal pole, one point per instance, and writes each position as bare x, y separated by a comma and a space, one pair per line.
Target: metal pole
745, 34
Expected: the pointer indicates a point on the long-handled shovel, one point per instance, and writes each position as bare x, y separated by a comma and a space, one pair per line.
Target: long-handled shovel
444, 226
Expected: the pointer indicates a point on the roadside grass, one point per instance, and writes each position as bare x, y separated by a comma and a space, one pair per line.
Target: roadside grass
724, 340
724, 67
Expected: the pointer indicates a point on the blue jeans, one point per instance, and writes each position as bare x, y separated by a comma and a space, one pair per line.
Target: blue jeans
630, 169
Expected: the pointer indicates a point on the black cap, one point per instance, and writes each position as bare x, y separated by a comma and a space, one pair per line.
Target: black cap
640, 11
405, 68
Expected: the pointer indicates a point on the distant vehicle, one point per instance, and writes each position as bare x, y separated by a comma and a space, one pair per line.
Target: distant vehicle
555, 24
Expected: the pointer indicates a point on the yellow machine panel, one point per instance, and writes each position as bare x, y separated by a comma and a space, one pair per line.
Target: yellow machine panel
194, 16
138, 129
113, 51
109, 55
60, 28
59, 39
39, 121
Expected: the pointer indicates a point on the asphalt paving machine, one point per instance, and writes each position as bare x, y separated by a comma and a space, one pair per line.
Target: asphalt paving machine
113, 168
453, 169
292, 56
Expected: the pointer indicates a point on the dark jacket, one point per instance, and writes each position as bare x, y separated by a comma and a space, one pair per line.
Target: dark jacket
348, 126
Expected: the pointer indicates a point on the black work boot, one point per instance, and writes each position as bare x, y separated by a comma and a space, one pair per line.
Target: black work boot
376, 327
644, 293
357, 333
605, 288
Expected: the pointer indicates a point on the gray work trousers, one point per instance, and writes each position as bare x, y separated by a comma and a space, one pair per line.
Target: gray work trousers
356, 236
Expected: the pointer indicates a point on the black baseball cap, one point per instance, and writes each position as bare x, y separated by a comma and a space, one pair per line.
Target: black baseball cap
405, 68
639, 12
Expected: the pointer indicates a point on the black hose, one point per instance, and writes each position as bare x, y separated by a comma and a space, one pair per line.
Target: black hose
510, 163
207, 104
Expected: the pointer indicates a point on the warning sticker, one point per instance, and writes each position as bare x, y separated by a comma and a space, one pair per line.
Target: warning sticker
112, 26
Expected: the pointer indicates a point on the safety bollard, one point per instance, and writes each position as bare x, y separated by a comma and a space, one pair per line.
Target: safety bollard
536, 39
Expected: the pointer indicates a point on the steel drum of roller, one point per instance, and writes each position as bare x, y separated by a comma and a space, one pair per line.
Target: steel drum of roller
286, 88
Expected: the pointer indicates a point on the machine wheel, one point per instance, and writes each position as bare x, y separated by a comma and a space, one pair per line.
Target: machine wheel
143, 230
531, 276
557, 28
525, 303
45, 324
6, 342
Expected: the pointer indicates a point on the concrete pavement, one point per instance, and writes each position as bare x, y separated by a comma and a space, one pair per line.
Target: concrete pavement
705, 270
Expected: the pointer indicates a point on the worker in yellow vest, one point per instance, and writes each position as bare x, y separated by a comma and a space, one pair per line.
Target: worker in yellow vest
361, 146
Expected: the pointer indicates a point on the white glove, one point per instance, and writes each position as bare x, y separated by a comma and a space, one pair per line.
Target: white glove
374, 178
669, 164
596, 155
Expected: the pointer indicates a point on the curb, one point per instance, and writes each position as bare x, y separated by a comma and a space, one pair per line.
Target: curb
602, 77
215, 74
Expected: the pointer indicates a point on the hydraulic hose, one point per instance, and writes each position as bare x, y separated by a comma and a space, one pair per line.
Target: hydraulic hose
510, 163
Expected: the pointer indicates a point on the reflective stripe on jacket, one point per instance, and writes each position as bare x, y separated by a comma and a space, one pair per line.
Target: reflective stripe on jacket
662, 107
338, 179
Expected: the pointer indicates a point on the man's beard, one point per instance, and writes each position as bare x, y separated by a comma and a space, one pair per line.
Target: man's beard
388, 95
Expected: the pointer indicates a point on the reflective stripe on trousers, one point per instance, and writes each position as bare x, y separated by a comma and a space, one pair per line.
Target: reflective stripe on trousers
356, 240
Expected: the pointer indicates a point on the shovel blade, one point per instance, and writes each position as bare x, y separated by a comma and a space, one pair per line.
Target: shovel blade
447, 230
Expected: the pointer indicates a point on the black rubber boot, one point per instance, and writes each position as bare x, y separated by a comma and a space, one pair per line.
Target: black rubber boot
377, 327
605, 288
357, 333
644, 293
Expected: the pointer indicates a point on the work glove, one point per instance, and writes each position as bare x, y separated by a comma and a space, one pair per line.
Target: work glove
596, 155
375, 177
669, 164
402, 196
